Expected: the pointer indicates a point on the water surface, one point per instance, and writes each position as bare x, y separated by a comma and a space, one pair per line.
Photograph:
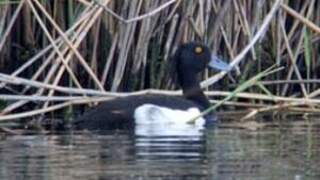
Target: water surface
285, 150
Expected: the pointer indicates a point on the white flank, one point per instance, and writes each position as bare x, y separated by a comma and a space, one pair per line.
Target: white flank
153, 120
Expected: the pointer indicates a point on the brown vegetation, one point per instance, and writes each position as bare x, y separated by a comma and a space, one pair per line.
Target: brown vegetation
54, 54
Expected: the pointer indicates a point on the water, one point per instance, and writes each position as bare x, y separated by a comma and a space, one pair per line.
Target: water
289, 150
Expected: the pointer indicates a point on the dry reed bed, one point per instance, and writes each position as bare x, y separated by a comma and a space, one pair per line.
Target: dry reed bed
57, 54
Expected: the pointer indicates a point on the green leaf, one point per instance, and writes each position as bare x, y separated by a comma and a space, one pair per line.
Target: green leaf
239, 89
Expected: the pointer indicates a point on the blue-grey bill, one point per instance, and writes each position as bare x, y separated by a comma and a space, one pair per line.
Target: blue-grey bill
219, 64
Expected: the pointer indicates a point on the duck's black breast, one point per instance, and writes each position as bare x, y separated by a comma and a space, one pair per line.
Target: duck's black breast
118, 113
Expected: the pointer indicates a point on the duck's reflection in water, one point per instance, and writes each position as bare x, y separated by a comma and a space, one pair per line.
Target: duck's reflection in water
169, 142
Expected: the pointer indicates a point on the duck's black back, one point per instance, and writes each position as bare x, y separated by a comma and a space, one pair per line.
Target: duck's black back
118, 113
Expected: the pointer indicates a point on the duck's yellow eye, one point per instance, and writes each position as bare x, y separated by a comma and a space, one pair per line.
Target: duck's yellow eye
198, 50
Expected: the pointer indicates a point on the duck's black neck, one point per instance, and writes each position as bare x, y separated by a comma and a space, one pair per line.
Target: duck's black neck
191, 89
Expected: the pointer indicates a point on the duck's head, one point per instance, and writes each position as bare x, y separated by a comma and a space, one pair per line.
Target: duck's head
195, 57
190, 59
